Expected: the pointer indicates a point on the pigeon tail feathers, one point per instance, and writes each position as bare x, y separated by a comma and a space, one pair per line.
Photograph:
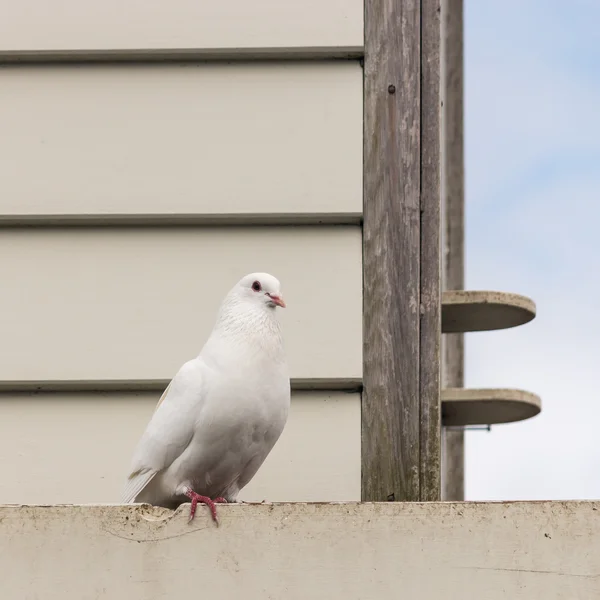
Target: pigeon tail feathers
135, 484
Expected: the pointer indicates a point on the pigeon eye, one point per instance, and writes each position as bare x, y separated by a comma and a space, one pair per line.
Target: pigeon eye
256, 286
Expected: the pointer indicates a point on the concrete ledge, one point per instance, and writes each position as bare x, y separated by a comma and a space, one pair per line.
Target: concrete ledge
490, 551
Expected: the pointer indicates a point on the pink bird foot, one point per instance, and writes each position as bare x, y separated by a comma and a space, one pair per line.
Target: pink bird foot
197, 498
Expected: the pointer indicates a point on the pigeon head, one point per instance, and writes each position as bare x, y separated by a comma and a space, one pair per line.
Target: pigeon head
261, 289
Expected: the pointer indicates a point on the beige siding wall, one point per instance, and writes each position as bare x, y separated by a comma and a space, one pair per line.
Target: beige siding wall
76, 448
237, 25
124, 304
187, 140
135, 191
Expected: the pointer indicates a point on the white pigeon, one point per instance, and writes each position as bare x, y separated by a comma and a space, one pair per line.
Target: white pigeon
223, 411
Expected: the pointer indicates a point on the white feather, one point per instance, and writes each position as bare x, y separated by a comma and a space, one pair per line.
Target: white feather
135, 484
223, 411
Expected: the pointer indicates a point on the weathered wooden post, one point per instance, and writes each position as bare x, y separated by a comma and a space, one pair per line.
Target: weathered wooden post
453, 204
401, 324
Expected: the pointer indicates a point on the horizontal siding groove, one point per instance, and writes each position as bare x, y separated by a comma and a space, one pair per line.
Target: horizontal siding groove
350, 385
223, 29
183, 54
182, 220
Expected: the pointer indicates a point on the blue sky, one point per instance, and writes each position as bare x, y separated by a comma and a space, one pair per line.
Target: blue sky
532, 112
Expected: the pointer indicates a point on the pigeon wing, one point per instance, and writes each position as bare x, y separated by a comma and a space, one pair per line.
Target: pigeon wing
169, 431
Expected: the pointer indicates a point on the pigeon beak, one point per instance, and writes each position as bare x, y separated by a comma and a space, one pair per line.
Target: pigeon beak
277, 300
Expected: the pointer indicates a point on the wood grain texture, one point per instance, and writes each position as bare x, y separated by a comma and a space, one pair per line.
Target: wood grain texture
399, 455
453, 224
453, 447
391, 252
430, 326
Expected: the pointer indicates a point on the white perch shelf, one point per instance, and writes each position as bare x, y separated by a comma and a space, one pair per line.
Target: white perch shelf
471, 310
464, 406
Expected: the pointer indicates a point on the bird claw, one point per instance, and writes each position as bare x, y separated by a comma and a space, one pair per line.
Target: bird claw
197, 498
